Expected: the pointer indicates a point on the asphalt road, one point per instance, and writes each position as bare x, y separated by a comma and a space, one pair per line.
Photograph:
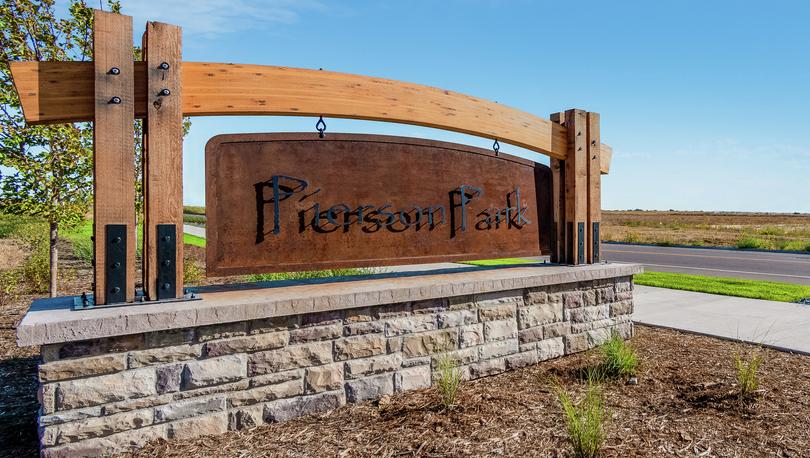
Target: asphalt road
783, 267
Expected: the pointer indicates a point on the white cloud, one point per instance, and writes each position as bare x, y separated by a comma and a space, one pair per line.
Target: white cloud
209, 18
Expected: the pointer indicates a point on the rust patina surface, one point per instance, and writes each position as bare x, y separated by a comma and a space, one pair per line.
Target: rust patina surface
287, 202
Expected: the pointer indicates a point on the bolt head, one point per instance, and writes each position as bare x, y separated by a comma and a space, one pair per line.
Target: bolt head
115, 100
166, 286
165, 92
115, 71
167, 262
115, 290
163, 66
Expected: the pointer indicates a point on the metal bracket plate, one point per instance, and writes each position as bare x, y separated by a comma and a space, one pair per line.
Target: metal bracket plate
580, 243
596, 241
115, 270
87, 301
166, 257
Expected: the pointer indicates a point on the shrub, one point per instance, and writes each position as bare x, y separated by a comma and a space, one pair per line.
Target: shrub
193, 210
9, 286
35, 272
619, 358
748, 375
194, 219
449, 380
585, 419
192, 272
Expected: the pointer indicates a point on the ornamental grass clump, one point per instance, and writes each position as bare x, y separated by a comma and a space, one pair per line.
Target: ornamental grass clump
748, 375
585, 420
619, 358
449, 380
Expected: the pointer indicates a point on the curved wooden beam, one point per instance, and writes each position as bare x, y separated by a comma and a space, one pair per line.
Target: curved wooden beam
53, 92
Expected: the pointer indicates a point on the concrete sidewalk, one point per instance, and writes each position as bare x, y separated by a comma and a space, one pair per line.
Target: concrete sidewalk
777, 324
194, 230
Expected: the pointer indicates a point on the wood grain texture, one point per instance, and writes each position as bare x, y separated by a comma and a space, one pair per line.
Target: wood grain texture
557, 209
113, 143
606, 155
576, 181
163, 149
594, 183
558, 201
392, 200
214, 89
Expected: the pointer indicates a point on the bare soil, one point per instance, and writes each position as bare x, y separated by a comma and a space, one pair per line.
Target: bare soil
12, 254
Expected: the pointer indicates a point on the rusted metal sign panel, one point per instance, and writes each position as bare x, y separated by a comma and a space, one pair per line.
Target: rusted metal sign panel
286, 202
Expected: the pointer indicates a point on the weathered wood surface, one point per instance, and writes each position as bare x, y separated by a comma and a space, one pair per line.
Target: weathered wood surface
62, 91
113, 143
163, 151
393, 179
594, 188
576, 187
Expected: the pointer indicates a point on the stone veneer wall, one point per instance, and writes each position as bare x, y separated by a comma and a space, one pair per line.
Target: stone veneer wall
107, 395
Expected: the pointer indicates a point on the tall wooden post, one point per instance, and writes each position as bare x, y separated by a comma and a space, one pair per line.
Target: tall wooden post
594, 189
163, 163
576, 184
558, 254
114, 159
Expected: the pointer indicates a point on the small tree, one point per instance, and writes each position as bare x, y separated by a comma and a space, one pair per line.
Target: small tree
51, 166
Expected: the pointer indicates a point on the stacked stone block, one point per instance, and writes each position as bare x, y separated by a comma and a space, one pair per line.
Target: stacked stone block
107, 395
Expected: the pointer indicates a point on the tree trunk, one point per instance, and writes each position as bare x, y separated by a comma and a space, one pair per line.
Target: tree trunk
54, 257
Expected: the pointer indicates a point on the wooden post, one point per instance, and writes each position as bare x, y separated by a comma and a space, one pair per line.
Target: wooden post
114, 159
163, 163
576, 185
594, 189
557, 166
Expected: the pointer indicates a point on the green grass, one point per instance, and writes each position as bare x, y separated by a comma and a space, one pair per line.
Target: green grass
619, 358
748, 375
79, 237
193, 210
752, 243
498, 262
34, 274
449, 380
585, 420
754, 289
17, 226
189, 239
311, 274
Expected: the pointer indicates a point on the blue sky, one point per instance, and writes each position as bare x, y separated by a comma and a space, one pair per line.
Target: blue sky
704, 102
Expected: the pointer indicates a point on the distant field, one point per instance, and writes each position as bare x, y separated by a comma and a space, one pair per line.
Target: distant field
770, 231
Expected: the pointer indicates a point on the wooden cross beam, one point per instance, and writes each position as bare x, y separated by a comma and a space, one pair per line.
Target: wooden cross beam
112, 91
62, 91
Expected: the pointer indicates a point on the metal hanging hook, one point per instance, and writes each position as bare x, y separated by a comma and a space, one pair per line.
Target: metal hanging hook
496, 147
320, 126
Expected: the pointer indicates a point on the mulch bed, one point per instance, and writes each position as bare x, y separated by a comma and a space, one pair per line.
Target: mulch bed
685, 404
